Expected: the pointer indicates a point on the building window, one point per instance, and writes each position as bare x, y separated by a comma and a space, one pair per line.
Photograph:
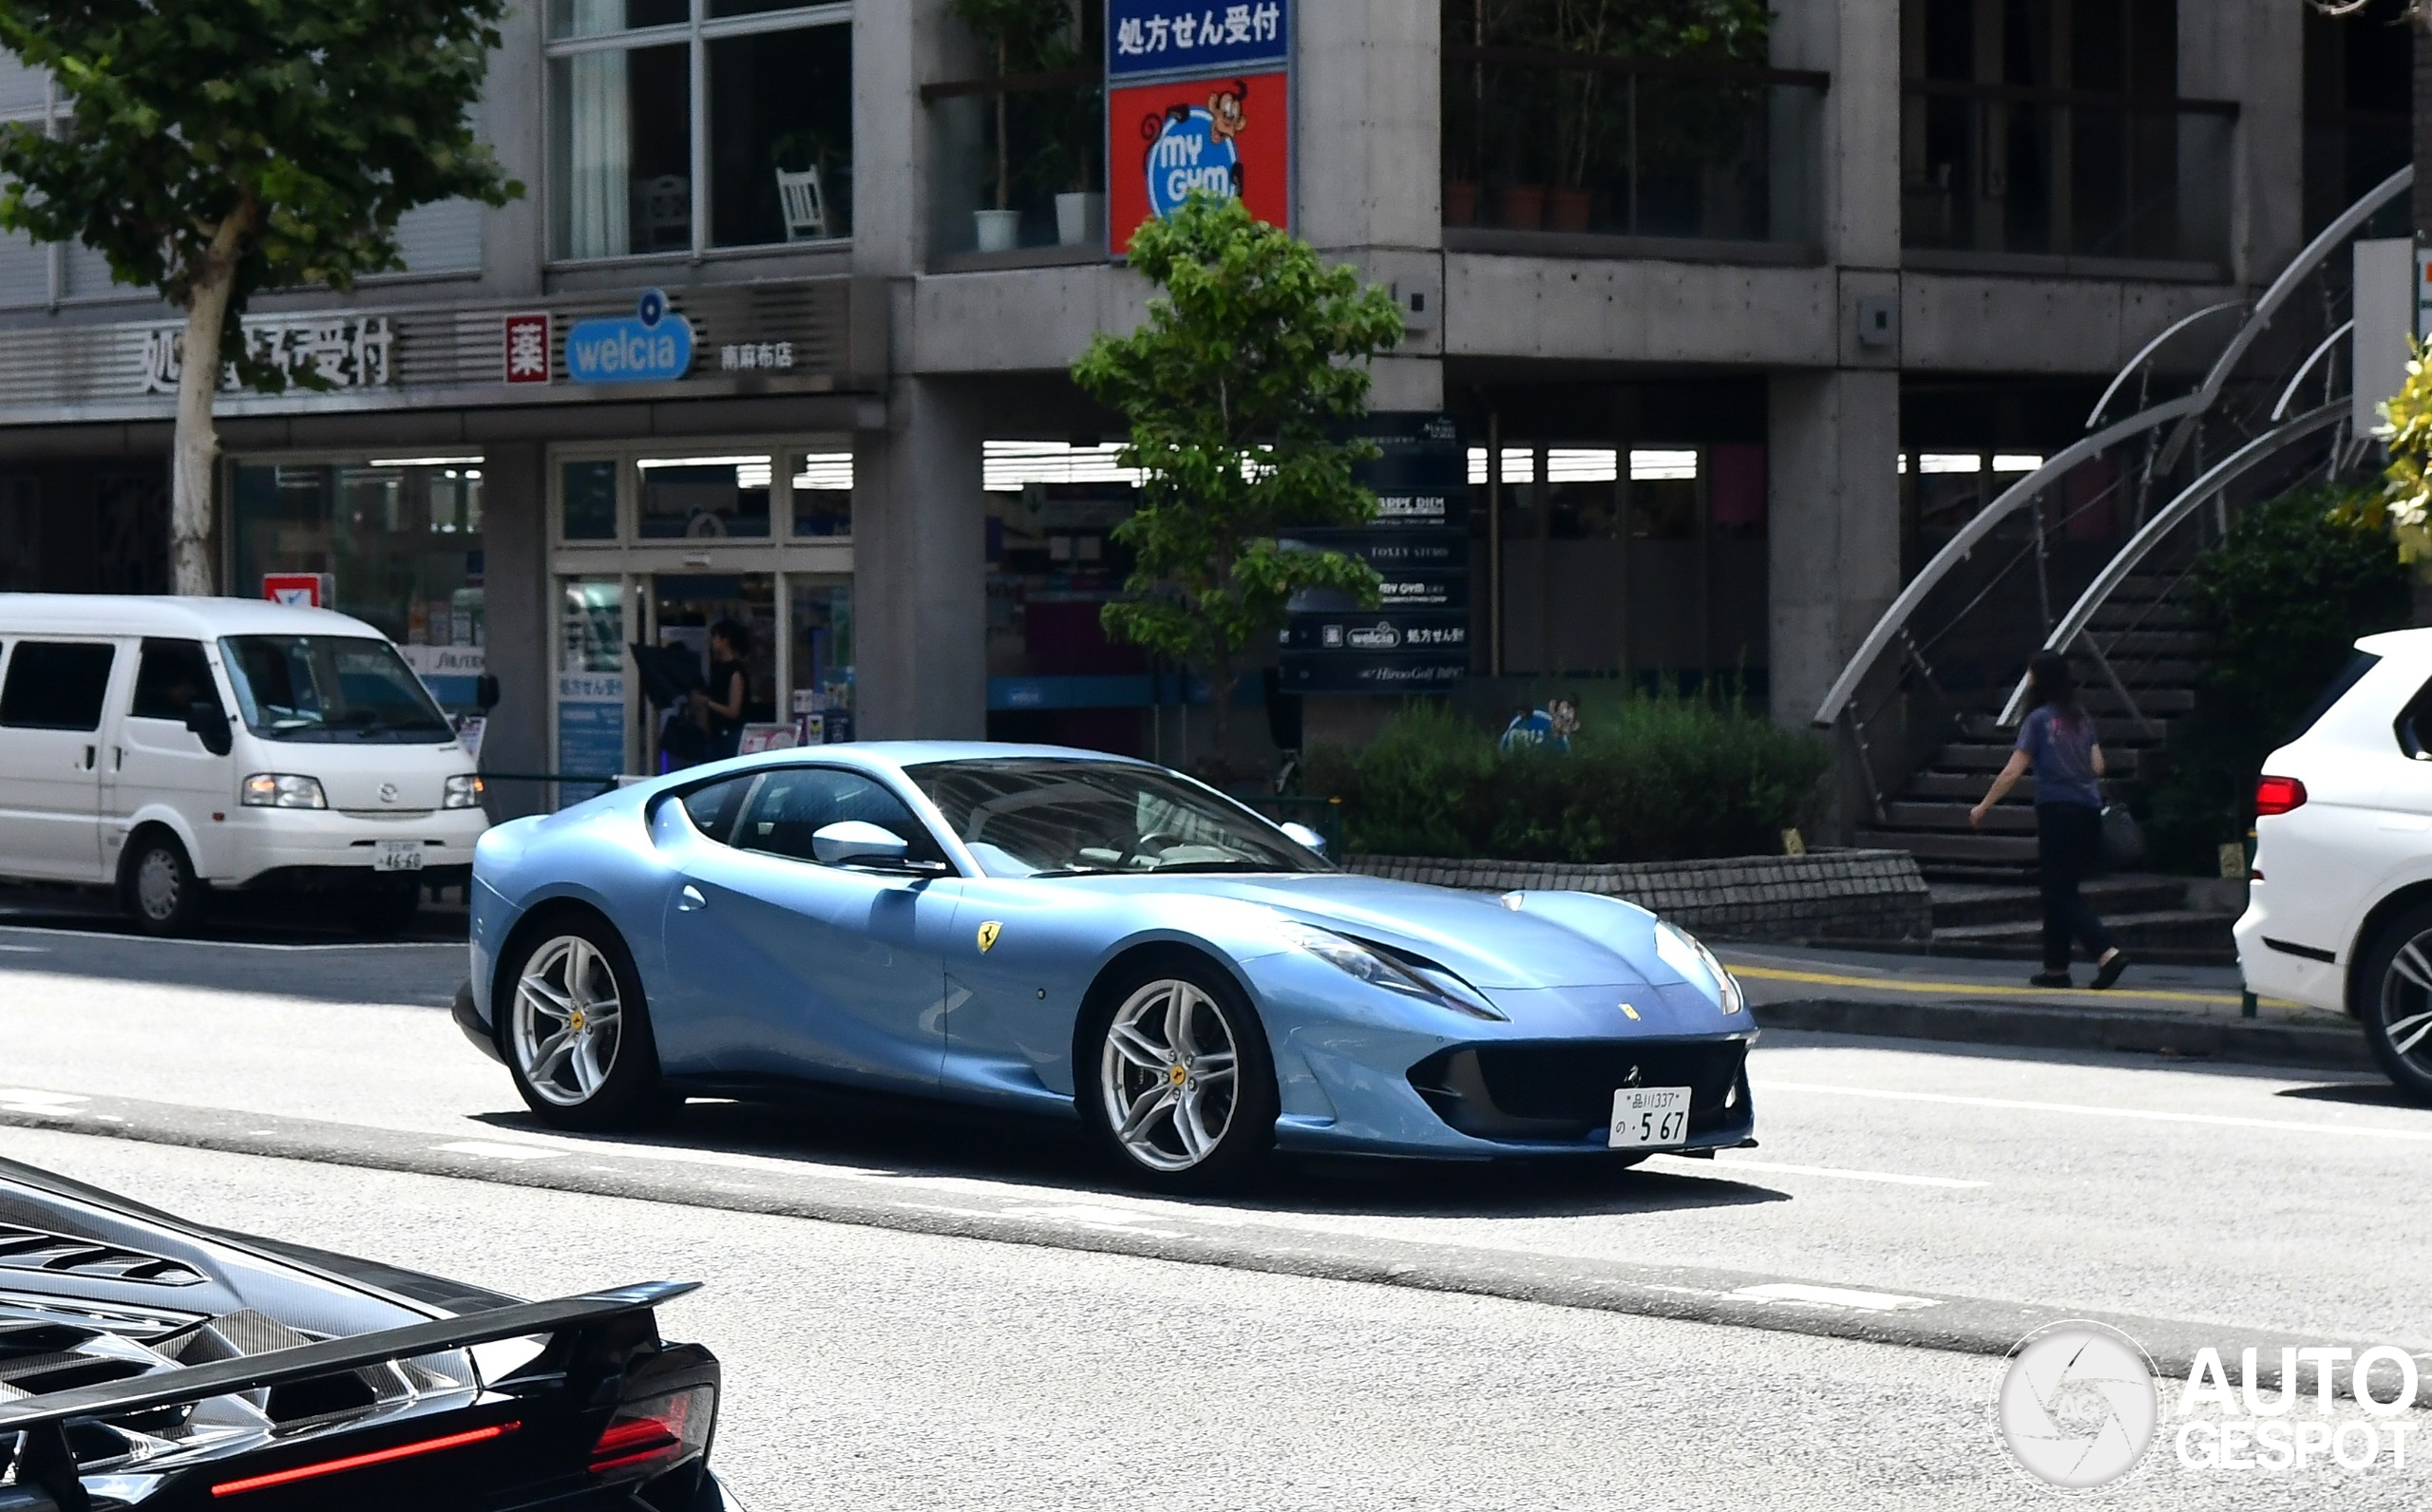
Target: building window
640, 163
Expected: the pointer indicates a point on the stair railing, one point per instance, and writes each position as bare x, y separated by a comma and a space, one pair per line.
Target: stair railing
1959, 611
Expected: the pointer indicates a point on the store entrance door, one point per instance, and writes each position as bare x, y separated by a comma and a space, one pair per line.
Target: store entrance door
685, 608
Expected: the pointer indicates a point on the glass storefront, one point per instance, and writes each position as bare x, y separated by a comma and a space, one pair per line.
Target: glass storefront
400, 539
666, 547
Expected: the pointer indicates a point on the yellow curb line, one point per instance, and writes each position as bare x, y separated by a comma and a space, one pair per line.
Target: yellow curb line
1902, 984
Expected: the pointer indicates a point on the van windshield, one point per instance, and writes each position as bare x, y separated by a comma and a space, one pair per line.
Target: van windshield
330, 688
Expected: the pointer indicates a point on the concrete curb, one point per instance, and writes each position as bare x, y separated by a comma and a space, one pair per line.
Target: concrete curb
2170, 1034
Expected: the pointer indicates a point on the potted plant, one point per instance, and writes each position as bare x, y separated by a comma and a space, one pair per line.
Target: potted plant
1015, 32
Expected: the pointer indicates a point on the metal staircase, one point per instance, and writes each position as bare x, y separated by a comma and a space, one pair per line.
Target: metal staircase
1929, 704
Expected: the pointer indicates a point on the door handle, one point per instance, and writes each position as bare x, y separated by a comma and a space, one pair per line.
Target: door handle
89, 760
690, 900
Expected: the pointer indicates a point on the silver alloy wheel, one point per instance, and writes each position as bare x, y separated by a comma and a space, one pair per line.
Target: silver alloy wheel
2406, 1000
157, 884
567, 1020
1167, 1074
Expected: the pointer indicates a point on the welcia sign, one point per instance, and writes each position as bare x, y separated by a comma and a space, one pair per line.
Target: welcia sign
652, 345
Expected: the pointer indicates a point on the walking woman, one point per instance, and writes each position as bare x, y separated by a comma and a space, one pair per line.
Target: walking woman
2058, 742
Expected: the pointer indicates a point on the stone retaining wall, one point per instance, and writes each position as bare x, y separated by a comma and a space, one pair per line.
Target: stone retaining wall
1841, 894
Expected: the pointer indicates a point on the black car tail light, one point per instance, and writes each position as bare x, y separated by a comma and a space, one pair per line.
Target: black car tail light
317, 1468
654, 1433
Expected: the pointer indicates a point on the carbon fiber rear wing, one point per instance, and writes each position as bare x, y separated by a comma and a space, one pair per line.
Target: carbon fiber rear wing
196, 1383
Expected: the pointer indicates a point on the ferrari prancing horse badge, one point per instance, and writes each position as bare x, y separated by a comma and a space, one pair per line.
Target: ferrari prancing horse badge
988, 934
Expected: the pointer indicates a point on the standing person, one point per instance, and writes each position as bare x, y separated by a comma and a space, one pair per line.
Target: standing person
2058, 742
721, 702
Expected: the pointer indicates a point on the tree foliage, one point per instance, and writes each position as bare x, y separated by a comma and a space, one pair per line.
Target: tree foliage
1237, 388
313, 124
2283, 600
2404, 506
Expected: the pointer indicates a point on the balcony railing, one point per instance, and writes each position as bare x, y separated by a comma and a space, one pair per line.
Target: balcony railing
2000, 169
1054, 162
1539, 142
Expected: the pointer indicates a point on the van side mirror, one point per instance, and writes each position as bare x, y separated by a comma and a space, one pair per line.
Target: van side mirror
210, 726
486, 693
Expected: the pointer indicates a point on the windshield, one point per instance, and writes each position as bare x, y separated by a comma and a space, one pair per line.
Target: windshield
327, 688
1076, 818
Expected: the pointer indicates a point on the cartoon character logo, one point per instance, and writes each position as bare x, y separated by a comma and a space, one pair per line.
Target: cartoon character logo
1196, 148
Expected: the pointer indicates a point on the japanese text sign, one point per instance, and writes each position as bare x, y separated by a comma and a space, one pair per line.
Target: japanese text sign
1150, 37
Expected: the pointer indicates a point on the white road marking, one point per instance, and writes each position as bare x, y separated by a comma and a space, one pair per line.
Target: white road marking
1829, 1296
26, 950
1894, 1177
2143, 1114
113, 938
499, 1152
26, 1100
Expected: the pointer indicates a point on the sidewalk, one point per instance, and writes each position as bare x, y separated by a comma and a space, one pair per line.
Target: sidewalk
2192, 1011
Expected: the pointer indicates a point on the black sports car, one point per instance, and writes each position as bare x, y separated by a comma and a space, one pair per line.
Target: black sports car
148, 1361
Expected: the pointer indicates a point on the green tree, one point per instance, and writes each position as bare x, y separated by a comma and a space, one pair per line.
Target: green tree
2283, 600
215, 151
1237, 388
1023, 36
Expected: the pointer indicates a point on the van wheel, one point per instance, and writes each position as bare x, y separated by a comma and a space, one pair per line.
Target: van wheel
384, 909
158, 887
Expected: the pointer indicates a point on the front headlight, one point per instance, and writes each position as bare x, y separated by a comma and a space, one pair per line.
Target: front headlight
463, 791
1687, 955
1440, 988
283, 790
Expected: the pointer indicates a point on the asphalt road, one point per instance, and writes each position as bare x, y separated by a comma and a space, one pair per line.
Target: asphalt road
928, 1308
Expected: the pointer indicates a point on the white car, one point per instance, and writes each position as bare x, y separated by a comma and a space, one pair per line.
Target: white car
167, 747
2339, 912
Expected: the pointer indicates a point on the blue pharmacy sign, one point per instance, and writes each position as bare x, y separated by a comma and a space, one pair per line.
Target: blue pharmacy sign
652, 345
1147, 38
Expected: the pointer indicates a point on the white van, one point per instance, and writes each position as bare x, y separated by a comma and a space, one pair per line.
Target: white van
167, 747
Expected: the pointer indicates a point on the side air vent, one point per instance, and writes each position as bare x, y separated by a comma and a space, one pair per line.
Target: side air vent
24, 1249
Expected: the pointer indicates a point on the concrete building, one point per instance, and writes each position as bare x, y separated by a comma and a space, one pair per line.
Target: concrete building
1732, 340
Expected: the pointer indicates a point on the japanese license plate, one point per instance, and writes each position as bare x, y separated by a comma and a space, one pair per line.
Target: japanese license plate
1649, 1118
397, 856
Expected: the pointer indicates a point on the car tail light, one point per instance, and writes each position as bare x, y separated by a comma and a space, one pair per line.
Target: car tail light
2277, 795
356, 1462
656, 1432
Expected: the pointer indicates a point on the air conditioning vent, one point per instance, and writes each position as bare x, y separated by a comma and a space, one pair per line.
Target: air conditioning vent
24, 1249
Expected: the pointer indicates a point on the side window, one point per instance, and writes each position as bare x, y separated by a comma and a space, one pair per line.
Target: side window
2414, 726
171, 679
711, 808
56, 685
790, 804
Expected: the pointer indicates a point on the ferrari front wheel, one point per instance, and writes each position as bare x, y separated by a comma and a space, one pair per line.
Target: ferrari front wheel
1184, 1096
574, 1029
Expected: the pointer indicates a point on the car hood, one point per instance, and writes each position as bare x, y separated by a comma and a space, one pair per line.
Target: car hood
1549, 939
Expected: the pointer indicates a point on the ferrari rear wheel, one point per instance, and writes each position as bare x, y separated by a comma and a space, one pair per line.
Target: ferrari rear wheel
1186, 1092
576, 1031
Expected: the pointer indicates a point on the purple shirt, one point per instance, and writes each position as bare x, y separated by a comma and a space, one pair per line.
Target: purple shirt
2063, 751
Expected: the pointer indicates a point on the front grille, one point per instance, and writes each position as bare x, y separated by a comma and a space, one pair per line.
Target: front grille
1563, 1090
25, 1249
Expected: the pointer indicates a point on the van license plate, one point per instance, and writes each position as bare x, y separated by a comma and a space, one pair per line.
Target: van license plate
397, 856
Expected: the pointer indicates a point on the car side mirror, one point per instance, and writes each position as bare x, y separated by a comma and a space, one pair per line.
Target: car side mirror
1306, 836
486, 693
209, 724
856, 843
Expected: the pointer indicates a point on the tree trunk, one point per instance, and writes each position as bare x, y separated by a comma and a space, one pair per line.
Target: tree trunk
1220, 694
1004, 121
193, 569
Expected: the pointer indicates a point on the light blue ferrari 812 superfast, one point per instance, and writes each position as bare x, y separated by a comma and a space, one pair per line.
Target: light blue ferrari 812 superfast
1075, 935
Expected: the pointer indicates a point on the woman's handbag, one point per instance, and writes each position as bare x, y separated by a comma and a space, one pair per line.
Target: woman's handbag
2123, 838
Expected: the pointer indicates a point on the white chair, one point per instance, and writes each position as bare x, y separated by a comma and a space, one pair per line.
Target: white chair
804, 199
663, 213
